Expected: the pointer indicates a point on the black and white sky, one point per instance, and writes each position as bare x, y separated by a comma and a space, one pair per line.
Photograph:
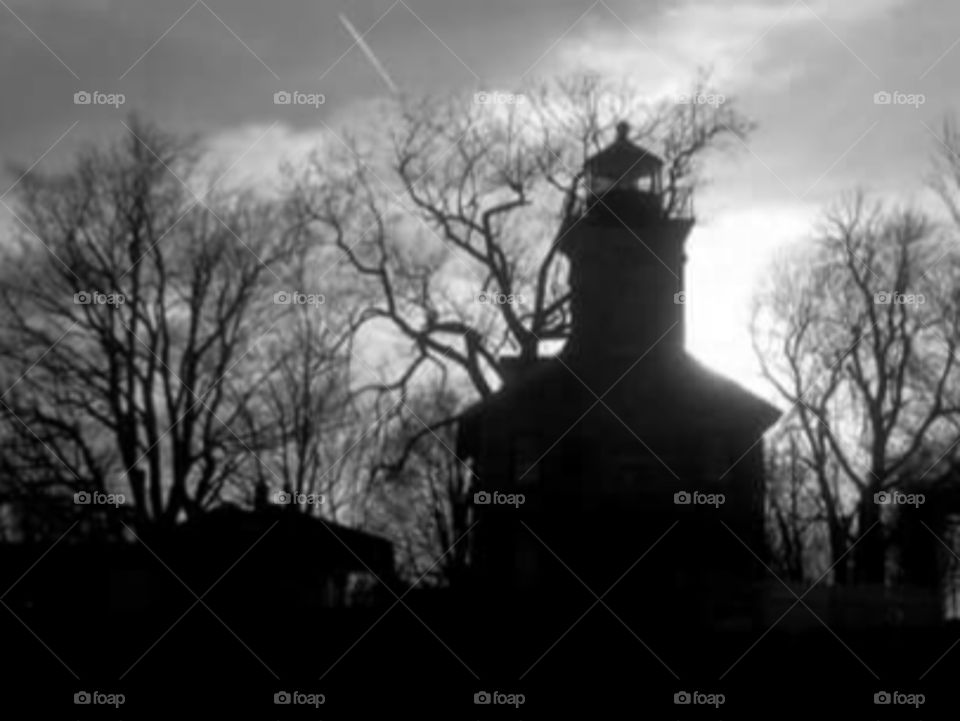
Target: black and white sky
807, 71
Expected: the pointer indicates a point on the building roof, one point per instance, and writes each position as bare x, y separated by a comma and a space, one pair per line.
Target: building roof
700, 396
623, 159
326, 544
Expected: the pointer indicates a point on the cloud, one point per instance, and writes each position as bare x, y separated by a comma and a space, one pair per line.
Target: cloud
253, 155
99, 6
256, 155
755, 45
806, 70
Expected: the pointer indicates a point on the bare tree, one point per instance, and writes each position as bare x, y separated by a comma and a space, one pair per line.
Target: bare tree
130, 317
472, 199
858, 334
796, 516
420, 491
310, 423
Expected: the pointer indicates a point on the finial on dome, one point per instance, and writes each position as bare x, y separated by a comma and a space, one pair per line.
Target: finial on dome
623, 130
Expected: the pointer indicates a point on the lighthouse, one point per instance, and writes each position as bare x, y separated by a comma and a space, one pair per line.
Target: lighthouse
622, 442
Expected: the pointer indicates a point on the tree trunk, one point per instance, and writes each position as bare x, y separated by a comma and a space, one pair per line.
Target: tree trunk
838, 547
870, 552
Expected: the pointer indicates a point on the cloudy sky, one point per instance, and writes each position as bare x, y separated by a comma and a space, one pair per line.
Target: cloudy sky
807, 71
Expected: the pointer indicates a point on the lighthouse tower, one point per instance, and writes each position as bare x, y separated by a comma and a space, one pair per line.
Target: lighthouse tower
626, 252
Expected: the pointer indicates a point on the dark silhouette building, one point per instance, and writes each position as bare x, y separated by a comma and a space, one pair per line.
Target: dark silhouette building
608, 439
290, 561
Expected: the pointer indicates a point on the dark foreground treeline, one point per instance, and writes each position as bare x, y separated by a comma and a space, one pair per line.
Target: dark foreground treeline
227, 652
